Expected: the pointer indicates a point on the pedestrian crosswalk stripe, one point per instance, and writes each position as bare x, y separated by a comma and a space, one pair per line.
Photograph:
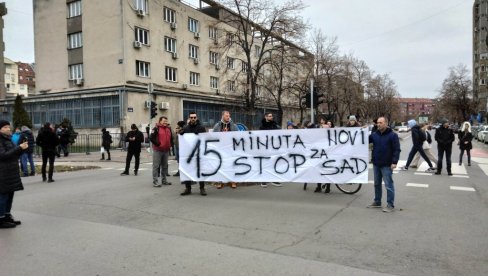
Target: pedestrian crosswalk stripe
479, 160
457, 188
422, 173
484, 168
107, 168
460, 176
417, 185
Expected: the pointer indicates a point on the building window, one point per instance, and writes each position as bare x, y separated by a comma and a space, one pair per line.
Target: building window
74, 9
142, 36
170, 44
482, 82
483, 68
193, 51
214, 82
169, 15
245, 67
230, 38
193, 25
75, 71
194, 78
75, 40
230, 63
142, 69
212, 33
141, 5
257, 51
170, 74
231, 86
214, 58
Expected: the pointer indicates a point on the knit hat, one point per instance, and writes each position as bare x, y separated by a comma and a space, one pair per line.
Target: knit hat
411, 123
4, 123
352, 118
443, 121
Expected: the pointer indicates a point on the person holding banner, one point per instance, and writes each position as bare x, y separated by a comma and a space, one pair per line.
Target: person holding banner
225, 125
386, 152
269, 124
195, 127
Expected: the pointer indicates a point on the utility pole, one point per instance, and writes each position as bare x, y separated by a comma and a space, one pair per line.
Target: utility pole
311, 101
150, 90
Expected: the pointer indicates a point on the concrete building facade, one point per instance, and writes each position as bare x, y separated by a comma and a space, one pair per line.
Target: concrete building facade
98, 63
480, 54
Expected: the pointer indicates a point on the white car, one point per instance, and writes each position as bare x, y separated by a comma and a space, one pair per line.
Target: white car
403, 129
482, 133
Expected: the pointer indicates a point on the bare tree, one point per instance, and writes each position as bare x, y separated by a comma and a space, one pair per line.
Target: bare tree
258, 27
456, 95
381, 97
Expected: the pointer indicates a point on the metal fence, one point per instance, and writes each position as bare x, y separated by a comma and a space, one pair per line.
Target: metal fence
87, 143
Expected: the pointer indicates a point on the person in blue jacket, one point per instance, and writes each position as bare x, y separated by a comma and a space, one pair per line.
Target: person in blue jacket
385, 155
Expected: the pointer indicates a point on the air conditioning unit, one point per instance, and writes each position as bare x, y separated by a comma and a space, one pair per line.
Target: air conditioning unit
147, 104
174, 55
164, 105
79, 82
196, 61
185, 86
172, 26
141, 12
217, 67
137, 44
197, 35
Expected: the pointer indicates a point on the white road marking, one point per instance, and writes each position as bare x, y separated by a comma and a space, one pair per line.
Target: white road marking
422, 173
460, 176
107, 168
480, 160
417, 185
467, 189
484, 168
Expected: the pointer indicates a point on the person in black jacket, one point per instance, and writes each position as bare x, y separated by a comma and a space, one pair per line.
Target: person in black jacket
269, 124
418, 138
47, 140
465, 138
193, 126
27, 154
135, 139
10, 181
444, 137
106, 141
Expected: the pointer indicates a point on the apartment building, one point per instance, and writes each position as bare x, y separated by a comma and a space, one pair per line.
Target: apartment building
27, 77
12, 85
416, 108
98, 63
480, 54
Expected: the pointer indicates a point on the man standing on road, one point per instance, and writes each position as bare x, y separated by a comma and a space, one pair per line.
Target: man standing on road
225, 125
162, 140
48, 141
269, 124
444, 137
386, 152
135, 139
9, 174
195, 127
418, 138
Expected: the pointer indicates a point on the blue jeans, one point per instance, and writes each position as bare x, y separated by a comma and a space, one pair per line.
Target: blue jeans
6, 203
24, 158
385, 174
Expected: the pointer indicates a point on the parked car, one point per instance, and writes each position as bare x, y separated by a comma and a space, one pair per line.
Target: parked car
482, 133
403, 129
454, 127
475, 129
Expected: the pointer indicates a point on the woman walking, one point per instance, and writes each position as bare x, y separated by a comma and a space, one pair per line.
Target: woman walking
465, 137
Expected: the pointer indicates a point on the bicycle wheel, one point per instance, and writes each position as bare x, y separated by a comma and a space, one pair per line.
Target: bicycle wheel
349, 188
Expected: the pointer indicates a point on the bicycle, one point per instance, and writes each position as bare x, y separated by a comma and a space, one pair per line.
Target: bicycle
347, 188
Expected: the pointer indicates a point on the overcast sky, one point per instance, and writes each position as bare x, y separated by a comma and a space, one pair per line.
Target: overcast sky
415, 41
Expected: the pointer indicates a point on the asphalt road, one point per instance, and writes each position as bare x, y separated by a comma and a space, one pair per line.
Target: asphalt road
99, 223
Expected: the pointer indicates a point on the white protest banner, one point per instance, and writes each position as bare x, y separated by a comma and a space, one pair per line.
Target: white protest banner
322, 155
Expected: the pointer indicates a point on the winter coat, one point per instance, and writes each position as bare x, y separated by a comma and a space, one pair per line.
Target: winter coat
64, 137
162, 138
444, 136
465, 137
265, 125
47, 140
135, 145
418, 136
196, 128
221, 126
9, 165
386, 148
106, 140
27, 134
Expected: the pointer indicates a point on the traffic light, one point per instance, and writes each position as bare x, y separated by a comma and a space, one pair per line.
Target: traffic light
154, 108
317, 98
